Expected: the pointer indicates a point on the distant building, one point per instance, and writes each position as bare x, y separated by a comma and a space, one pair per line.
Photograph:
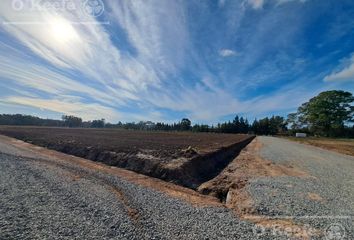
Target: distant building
301, 135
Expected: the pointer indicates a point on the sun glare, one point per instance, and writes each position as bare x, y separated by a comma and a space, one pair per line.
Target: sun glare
63, 31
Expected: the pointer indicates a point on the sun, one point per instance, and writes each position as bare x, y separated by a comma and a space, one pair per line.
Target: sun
62, 31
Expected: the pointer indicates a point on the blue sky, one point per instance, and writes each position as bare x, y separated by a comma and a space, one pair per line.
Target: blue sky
163, 60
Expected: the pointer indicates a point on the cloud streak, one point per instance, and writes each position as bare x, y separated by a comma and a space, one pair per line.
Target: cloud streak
256, 4
227, 53
345, 74
164, 60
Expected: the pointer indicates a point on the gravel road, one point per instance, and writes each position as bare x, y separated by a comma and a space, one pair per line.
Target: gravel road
324, 199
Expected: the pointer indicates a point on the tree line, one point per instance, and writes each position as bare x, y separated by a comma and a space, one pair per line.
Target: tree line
264, 126
329, 114
66, 121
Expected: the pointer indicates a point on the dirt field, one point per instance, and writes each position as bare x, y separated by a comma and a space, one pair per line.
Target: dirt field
345, 146
188, 159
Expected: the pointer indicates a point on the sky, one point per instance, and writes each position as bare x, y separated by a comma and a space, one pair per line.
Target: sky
163, 60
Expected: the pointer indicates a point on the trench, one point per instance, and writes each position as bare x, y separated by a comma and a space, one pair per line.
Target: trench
190, 173
204, 167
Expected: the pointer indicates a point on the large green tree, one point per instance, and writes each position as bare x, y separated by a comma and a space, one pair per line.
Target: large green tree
327, 113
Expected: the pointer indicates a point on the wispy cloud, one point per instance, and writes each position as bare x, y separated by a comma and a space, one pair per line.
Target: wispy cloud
106, 76
227, 53
87, 111
259, 4
206, 101
165, 60
256, 4
88, 50
221, 3
279, 2
346, 72
157, 31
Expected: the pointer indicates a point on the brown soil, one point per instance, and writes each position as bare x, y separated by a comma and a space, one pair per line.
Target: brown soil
165, 146
185, 158
57, 159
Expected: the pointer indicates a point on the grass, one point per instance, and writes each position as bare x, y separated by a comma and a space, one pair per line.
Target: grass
345, 146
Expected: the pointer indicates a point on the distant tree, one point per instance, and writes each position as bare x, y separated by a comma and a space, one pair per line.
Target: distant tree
269, 126
243, 126
72, 121
98, 123
19, 119
327, 113
255, 126
159, 126
185, 124
200, 128
264, 126
277, 124
248, 126
237, 125
293, 121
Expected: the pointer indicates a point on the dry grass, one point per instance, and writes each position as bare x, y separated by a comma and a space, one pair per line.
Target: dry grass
345, 146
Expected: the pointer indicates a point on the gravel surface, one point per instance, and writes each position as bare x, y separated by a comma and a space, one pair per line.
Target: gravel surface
43, 199
323, 199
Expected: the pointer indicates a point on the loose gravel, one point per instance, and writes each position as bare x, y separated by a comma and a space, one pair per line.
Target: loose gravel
322, 200
42, 198
48, 201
